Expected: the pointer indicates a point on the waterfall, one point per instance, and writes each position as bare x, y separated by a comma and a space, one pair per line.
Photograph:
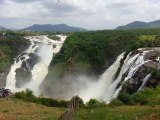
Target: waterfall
132, 65
144, 81
108, 76
97, 89
112, 87
45, 49
11, 78
105, 87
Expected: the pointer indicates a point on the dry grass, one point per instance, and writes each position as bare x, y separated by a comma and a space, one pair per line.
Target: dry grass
19, 110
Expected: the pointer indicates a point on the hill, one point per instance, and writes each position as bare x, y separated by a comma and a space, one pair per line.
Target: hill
2, 28
53, 28
140, 24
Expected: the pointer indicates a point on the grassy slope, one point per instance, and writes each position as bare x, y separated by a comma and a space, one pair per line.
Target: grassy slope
19, 110
120, 113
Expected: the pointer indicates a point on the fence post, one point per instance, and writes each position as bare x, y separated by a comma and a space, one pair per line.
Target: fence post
72, 106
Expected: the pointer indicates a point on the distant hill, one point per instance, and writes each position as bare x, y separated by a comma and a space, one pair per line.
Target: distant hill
140, 24
2, 28
53, 28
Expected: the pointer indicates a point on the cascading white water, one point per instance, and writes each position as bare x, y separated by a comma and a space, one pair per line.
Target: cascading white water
98, 88
105, 87
144, 81
44, 48
11, 78
102, 89
112, 87
132, 66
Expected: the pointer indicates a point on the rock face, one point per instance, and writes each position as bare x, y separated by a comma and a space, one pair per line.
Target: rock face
3, 75
147, 74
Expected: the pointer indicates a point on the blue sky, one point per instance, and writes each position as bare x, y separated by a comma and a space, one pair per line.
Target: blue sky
90, 14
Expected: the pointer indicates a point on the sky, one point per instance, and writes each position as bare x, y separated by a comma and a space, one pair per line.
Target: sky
90, 14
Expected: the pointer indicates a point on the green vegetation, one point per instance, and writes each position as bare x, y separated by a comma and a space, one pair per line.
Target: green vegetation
10, 45
84, 51
93, 103
54, 37
143, 105
28, 96
149, 96
95, 110
98, 48
119, 113
115, 102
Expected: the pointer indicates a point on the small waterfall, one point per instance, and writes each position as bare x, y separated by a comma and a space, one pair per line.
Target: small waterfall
45, 49
144, 81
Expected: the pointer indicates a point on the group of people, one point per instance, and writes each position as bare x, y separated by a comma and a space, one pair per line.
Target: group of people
4, 92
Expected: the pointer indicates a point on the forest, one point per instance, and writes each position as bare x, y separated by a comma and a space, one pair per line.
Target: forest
96, 50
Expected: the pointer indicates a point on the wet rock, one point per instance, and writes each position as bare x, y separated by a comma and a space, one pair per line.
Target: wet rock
132, 85
152, 66
29, 64
54, 46
34, 58
33, 46
3, 76
22, 58
152, 55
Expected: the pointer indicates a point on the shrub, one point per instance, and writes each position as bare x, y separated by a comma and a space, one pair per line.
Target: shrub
25, 95
154, 101
28, 96
148, 96
50, 102
125, 98
140, 98
115, 102
81, 103
54, 37
93, 103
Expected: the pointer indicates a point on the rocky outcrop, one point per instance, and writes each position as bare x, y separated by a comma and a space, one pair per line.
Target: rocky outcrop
3, 76
150, 67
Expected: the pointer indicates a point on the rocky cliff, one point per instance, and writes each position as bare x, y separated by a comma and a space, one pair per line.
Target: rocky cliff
147, 73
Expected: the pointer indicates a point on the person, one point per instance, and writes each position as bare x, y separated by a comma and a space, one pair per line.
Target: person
4, 92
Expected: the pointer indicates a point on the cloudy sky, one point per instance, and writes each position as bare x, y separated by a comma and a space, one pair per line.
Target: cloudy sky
90, 14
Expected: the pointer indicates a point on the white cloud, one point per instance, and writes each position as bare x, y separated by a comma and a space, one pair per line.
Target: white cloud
91, 14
